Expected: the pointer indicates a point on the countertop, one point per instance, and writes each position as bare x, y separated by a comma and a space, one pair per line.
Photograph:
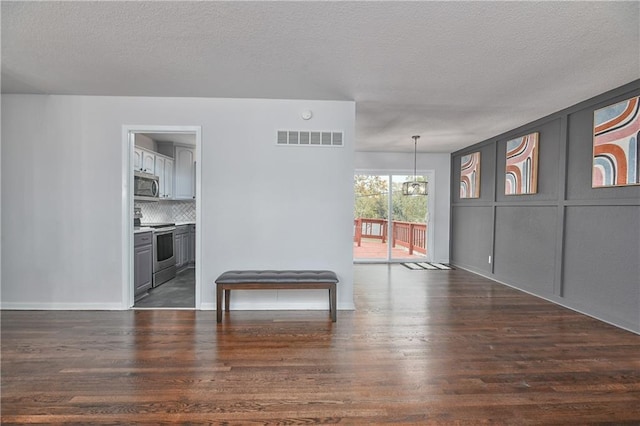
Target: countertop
141, 229
138, 230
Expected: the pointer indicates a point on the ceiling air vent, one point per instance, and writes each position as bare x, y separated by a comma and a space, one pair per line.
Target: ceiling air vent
309, 138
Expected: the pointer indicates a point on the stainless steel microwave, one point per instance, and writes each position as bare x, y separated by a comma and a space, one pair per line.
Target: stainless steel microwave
146, 187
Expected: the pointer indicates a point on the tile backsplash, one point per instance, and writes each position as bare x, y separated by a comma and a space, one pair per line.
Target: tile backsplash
168, 211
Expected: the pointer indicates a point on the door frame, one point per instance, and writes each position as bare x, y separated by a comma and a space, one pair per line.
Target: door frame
431, 179
128, 143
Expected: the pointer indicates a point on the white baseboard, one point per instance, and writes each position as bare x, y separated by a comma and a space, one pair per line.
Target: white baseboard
43, 306
38, 306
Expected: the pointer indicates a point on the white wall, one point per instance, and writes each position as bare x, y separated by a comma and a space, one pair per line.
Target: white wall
403, 163
262, 205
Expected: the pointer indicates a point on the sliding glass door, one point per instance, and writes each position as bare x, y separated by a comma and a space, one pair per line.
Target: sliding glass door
389, 226
370, 222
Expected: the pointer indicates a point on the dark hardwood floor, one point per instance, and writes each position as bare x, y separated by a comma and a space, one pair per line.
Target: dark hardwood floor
423, 347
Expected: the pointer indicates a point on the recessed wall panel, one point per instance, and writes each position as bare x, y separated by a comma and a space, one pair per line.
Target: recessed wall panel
524, 253
602, 260
471, 241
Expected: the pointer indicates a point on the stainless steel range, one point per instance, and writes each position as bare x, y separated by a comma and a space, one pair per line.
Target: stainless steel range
164, 260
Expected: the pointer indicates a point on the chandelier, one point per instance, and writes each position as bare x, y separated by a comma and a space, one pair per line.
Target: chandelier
414, 187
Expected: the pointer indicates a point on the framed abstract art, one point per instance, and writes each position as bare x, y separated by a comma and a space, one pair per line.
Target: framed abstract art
470, 176
521, 170
616, 157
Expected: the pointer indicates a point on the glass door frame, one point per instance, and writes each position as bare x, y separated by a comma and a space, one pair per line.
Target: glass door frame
430, 176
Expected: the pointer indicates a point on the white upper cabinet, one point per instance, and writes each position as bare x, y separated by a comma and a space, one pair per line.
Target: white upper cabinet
148, 162
159, 167
137, 159
144, 161
177, 175
185, 184
168, 175
164, 171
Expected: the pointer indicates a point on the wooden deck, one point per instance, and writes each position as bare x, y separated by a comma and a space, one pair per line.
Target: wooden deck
422, 347
374, 249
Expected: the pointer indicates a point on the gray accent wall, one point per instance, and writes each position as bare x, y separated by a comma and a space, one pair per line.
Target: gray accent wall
569, 243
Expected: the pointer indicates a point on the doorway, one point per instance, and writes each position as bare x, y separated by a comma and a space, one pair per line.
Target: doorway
162, 228
390, 226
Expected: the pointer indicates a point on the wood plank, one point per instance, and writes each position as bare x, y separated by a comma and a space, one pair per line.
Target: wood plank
422, 347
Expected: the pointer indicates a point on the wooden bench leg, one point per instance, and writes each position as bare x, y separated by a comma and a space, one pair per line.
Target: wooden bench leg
219, 302
227, 299
332, 302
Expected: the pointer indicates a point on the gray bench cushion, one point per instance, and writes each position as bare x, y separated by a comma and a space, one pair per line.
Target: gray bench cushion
280, 276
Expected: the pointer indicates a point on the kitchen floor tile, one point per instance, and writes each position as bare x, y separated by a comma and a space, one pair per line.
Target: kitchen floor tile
179, 292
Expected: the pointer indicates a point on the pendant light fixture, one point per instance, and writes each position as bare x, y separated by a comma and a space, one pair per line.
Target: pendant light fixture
414, 187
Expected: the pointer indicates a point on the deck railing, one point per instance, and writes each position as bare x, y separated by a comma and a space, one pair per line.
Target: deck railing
410, 235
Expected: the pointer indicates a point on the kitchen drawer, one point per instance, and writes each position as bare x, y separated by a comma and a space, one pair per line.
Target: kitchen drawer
142, 239
182, 229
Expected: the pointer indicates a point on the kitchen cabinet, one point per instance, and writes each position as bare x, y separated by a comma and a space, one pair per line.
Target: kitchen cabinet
148, 162
164, 171
182, 246
144, 160
192, 244
159, 166
168, 174
185, 177
143, 262
177, 174
137, 159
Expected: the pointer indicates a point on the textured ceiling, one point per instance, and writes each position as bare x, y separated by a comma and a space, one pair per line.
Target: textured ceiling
455, 73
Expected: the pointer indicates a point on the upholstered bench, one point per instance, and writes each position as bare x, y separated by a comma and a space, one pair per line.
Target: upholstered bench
274, 280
